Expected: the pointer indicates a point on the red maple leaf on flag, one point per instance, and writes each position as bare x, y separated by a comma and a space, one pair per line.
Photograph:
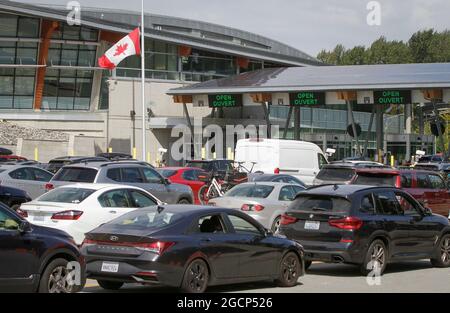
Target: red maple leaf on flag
121, 49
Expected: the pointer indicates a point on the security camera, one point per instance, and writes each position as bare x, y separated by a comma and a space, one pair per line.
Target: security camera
162, 150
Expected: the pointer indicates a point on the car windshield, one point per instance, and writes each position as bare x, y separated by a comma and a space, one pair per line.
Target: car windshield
376, 180
250, 191
76, 175
206, 166
67, 195
336, 174
150, 219
167, 173
309, 203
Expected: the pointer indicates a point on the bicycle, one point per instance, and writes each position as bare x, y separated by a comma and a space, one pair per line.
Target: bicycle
216, 187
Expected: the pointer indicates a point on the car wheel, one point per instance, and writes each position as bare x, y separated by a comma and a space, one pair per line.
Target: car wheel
276, 225
307, 265
196, 277
290, 270
110, 285
55, 278
443, 253
375, 259
184, 201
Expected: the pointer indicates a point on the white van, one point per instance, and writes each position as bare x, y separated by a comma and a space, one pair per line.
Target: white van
272, 156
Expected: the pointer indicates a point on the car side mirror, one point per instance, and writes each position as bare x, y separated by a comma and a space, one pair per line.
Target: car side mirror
428, 211
268, 233
24, 227
167, 182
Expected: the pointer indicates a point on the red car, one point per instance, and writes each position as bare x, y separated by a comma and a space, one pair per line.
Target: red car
185, 175
427, 187
11, 158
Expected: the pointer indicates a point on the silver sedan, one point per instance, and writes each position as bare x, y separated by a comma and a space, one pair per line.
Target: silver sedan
264, 201
31, 179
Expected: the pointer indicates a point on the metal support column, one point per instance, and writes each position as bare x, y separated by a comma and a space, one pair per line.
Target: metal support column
438, 125
408, 130
369, 131
267, 118
380, 132
297, 122
288, 122
352, 121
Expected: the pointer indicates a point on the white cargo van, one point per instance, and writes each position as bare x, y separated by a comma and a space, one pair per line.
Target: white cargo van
272, 156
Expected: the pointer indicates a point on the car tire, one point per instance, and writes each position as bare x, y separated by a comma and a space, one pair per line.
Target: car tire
307, 265
53, 280
442, 254
196, 277
290, 271
110, 285
184, 201
377, 252
276, 225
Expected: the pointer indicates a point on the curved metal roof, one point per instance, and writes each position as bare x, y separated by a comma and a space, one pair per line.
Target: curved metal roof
328, 78
197, 34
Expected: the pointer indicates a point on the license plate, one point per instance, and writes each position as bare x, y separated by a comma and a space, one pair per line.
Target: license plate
110, 267
312, 225
39, 218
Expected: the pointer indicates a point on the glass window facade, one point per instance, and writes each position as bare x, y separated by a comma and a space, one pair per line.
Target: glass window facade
76, 33
67, 89
18, 26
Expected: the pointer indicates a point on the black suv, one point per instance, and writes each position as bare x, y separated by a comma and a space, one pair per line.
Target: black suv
36, 259
56, 164
367, 226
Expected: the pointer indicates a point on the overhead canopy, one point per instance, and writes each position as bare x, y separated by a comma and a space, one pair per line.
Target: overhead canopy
327, 78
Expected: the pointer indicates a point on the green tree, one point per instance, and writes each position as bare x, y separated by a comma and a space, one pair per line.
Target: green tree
439, 49
420, 45
355, 56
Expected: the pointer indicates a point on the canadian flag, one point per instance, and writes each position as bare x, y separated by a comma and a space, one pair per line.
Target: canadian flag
126, 47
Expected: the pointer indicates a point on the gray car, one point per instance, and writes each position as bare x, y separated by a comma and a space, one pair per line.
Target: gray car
31, 179
138, 174
264, 201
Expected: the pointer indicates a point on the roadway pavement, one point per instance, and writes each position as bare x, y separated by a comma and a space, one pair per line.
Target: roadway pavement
406, 277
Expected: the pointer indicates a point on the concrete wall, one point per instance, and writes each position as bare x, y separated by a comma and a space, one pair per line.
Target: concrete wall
47, 149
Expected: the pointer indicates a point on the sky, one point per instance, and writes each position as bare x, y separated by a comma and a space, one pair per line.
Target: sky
308, 25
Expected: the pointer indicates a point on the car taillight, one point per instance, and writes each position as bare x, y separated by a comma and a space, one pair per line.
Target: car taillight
288, 220
276, 171
67, 215
158, 247
49, 187
252, 207
22, 213
348, 223
398, 182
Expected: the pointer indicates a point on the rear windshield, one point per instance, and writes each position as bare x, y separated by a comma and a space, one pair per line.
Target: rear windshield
336, 174
308, 203
167, 173
206, 166
147, 220
67, 195
250, 191
376, 180
76, 175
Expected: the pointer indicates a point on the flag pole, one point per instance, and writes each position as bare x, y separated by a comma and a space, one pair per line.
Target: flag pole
144, 126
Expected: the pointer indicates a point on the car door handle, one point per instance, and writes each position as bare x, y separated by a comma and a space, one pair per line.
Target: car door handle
113, 212
206, 240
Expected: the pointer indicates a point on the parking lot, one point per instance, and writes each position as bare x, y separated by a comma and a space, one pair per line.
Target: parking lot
405, 277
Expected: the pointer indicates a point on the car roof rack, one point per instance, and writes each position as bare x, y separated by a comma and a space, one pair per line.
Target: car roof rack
126, 163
